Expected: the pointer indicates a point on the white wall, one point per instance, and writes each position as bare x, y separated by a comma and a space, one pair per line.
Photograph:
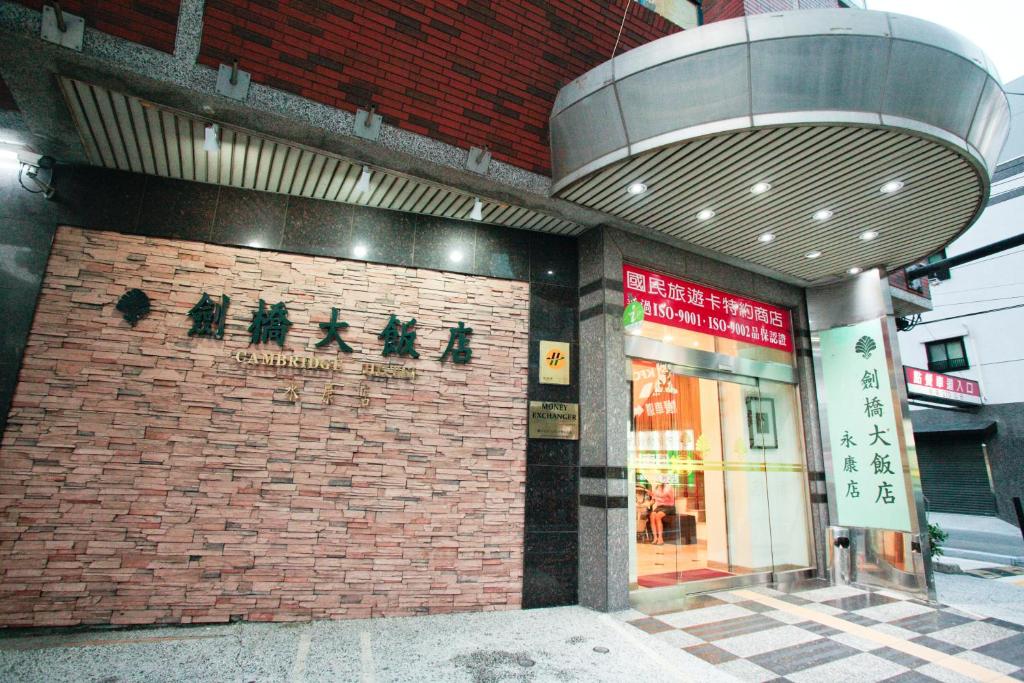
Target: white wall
994, 341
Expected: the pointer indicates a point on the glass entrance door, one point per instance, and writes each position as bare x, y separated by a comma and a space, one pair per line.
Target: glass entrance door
719, 490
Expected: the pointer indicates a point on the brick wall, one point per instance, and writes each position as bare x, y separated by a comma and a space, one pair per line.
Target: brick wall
145, 477
148, 22
467, 72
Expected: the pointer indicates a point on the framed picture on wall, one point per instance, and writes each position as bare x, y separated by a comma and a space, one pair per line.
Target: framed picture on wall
761, 422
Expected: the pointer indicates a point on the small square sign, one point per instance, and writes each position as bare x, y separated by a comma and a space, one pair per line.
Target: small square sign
554, 362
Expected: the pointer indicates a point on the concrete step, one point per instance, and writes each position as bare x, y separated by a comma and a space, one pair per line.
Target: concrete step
981, 556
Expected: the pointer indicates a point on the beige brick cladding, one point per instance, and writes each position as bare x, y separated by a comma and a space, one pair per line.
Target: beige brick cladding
148, 477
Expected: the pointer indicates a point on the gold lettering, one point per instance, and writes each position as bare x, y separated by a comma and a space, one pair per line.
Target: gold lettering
268, 358
238, 357
280, 359
252, 360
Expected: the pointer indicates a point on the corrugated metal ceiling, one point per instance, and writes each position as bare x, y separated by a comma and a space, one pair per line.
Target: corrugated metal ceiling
127, 133
840, 168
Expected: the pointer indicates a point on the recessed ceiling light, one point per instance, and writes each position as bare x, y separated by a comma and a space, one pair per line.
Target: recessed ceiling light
359, 251
637, 188
854, 271
765, 237
891, 187
869, 235
455, 255
760, 188
551, 272
705, 215
813, 254
823, 215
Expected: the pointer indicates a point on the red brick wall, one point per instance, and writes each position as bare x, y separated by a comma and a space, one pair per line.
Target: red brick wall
149, 22
146, 477
468, 72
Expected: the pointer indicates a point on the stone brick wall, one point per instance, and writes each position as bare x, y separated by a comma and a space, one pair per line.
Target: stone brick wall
147, 477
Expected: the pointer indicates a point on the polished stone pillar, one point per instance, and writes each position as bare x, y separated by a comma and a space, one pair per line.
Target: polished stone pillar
863, 298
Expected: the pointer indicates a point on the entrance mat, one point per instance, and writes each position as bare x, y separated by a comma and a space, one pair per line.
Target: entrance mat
672, 578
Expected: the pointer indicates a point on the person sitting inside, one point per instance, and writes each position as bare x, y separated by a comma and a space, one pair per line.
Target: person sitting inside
664, 504
644, 503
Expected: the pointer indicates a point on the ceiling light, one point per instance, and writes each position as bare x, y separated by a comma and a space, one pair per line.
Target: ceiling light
359, 251
823, 215
891, 187
455, 256
869, 235
363, 184
211, 139
551, 272
477, 214
854, 271
760, 188
705, 215
765, 237
637, 188
813, 254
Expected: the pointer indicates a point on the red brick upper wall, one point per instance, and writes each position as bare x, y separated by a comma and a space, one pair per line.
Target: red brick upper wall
467, 72
148, 22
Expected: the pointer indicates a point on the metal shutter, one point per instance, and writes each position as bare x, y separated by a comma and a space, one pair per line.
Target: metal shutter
954, 477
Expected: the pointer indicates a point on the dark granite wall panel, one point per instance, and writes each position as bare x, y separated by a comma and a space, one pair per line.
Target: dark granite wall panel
550, 561
124, 202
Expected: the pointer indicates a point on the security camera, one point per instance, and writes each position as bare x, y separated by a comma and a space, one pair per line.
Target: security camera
35, 160
39, 169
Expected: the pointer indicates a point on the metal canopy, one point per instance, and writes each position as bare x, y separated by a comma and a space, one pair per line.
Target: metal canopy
127, 133
825, 106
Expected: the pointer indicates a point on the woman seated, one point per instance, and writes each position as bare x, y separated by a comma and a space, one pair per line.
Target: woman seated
664, 504
644, 503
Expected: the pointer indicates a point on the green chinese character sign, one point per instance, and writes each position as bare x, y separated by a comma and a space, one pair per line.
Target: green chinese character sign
867, 465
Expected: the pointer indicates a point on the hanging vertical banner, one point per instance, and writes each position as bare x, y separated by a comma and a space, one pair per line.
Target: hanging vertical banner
867, 463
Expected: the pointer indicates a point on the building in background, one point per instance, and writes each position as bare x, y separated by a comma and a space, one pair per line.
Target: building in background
344, 309
972, 462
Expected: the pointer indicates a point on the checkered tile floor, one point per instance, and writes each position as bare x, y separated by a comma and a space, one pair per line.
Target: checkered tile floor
754, 641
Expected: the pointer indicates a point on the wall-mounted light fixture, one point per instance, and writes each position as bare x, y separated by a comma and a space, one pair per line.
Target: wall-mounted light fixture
363, 184
477, 214
211, 141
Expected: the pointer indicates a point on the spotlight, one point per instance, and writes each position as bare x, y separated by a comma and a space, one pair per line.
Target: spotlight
211, 141
869, 235
359, 251
363, 184
766, 237
854, 271
637, 188
891, 187
706, 214
823, 215
813, 254
760, 188
477, 214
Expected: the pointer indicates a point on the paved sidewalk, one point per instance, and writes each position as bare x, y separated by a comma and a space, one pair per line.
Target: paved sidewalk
559, 645
814, 633
807, 633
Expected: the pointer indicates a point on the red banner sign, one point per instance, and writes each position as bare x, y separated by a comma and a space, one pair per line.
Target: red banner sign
670, 301
935, 385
